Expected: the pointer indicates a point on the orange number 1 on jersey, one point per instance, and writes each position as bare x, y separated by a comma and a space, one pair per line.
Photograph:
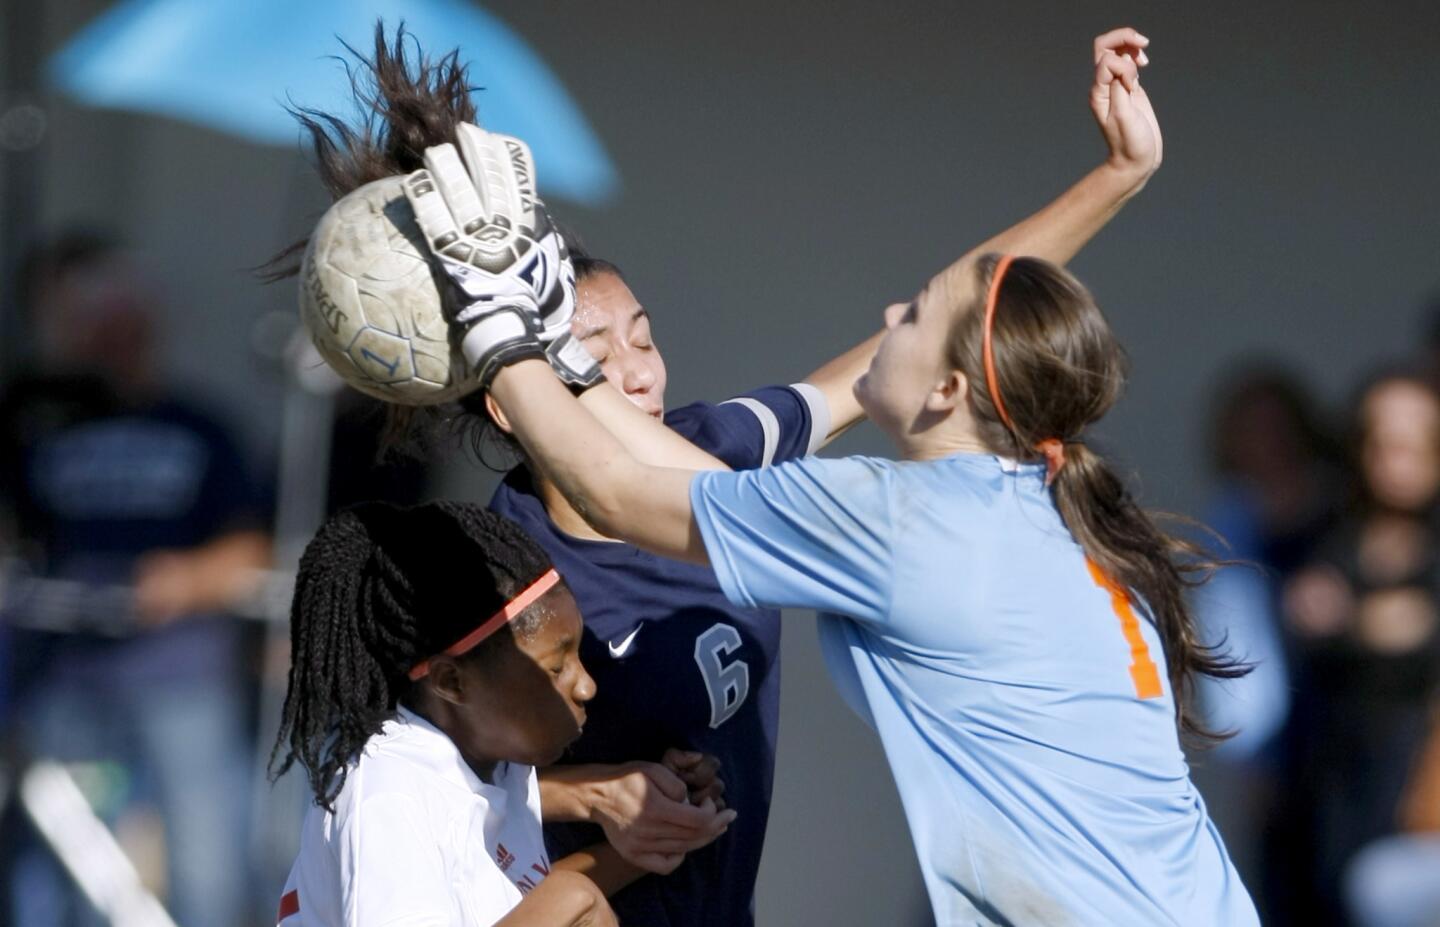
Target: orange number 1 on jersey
1142, 668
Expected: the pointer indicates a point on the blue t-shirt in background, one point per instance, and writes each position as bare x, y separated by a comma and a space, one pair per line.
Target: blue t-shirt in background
677, 665
1029, 725
95, 484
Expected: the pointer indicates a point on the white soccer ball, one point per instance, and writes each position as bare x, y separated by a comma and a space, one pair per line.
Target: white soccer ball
371, 304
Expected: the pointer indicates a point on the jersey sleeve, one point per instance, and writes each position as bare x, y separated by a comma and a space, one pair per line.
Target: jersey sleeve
762, 427
391, 871
811, 533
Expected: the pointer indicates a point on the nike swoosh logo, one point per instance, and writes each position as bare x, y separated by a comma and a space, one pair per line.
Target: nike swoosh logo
619, 650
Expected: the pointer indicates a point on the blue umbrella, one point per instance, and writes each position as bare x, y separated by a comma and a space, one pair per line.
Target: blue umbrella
234, 64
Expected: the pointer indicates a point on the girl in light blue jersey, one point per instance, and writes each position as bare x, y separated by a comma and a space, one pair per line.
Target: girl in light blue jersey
994, 602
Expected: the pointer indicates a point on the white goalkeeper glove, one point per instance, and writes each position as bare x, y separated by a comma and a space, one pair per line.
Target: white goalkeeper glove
495, 242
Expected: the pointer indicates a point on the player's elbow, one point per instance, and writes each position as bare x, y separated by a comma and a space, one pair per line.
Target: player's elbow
613, 500
601, 511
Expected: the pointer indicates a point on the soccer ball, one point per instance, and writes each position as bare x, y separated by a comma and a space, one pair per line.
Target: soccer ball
371, 303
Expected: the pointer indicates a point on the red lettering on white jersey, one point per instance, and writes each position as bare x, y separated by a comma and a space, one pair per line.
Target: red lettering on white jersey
289, 905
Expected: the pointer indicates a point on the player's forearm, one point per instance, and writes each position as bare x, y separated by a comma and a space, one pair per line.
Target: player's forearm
1058, 232
618, 495
1055, 233
569, 794
647, 438
229, 565
564, 898
836, 380
603, 865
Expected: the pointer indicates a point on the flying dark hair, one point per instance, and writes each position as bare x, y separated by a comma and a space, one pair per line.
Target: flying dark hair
408, 102
1059, 368
379, 589
588, 265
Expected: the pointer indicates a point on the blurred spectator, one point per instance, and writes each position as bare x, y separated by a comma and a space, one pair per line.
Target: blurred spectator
1279, 477
1392, 882
112, 481
1281, 471
1364, 619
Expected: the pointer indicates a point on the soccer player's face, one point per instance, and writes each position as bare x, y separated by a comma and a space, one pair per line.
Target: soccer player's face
615, 329
528, 702
910, 362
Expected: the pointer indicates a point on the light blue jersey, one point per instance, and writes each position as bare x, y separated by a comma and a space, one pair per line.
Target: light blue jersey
1023, 707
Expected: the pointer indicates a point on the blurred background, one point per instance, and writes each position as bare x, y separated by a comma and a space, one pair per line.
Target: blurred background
769, 176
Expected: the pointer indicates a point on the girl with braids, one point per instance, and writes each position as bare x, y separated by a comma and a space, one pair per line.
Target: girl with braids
654, 624
419, 708
995, 603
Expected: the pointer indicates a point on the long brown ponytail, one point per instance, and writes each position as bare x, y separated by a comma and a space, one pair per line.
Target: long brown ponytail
1058, 368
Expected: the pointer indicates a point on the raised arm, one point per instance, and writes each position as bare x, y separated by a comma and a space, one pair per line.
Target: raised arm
1135, 150
1059, 230
648, 439
622, 497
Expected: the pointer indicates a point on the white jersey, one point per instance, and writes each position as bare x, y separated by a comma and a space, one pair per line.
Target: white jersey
417, 839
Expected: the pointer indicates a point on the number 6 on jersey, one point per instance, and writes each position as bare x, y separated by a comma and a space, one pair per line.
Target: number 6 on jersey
727, 683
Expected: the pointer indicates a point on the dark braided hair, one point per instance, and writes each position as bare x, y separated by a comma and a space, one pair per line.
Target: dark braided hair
378, 591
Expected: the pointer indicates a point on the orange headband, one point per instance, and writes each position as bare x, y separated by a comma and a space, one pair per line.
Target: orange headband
490, 625
1053, 449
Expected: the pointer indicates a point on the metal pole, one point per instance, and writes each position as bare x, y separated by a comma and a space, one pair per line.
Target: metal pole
87, 849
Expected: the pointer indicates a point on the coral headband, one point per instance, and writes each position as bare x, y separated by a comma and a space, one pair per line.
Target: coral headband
1053, 449
514, 607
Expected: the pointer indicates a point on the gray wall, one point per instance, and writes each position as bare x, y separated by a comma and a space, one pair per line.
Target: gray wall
791, 167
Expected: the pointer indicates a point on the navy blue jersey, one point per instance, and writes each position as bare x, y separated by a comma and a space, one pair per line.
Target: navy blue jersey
676, 665
93, 484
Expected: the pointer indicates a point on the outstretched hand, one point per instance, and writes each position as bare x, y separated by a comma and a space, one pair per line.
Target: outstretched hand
1122, 108
701, 774
646, 813
489, 233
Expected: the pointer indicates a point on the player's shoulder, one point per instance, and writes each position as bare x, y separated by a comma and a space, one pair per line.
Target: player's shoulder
757, 428
516, 498
408, 757
853, 483
783, 402
855, 471
971, 476
688, 420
